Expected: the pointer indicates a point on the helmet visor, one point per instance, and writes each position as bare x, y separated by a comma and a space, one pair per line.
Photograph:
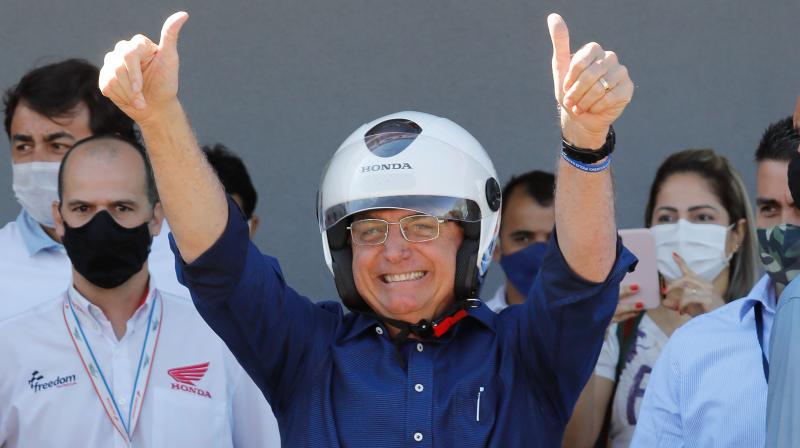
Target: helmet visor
459, 209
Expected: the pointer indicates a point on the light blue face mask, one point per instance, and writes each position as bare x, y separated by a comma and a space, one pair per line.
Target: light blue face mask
523, 266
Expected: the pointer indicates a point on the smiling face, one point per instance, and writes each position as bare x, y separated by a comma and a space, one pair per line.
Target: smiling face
403, 280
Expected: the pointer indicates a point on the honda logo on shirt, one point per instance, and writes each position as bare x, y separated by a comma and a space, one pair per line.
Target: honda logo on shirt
187, 376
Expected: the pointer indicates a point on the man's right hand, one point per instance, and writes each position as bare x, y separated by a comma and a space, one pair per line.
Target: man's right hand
140, 76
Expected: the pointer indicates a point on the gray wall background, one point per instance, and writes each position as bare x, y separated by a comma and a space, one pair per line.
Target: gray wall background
283, 83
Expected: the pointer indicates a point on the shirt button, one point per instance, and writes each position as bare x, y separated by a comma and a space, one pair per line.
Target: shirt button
419, 387
379, 330
419, 346
418, 436
122, 401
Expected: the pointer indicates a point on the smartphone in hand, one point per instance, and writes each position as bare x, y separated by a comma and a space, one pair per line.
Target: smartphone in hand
642, 243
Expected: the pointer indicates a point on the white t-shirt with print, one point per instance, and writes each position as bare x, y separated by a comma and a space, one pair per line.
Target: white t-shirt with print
633, 380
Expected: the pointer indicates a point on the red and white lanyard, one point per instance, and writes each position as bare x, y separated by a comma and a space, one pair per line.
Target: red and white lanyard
124, 422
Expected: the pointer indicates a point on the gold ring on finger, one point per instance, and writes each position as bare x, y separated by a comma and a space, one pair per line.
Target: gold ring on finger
604, 83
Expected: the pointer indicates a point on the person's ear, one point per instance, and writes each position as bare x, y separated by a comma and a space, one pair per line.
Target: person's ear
157, 220
736, 236
58, 220
253, 223
497, 253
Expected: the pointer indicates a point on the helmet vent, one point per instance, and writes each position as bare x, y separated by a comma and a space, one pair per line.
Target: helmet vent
493, 194
389, 138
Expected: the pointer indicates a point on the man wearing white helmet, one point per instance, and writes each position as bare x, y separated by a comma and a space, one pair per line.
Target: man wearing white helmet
420, 361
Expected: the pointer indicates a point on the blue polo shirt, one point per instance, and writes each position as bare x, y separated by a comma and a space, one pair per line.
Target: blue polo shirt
334, 379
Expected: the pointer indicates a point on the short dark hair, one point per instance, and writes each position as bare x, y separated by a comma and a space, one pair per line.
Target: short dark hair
150, 181
55, 90
233, 175
728, 187
539, 185
779, 141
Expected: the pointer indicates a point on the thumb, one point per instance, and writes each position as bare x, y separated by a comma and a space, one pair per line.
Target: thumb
559, 35
169, 32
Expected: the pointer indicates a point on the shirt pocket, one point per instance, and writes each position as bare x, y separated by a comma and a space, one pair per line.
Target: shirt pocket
183, 420
475, 407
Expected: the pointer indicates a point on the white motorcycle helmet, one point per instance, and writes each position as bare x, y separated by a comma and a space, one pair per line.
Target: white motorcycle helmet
412, 161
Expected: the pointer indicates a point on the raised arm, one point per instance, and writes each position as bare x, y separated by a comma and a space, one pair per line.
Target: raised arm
592, 89
141, 78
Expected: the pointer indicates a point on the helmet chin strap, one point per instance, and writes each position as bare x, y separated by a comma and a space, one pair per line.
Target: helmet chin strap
426, 330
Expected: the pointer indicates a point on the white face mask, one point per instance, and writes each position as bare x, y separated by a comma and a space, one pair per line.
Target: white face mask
702, 247
36, 187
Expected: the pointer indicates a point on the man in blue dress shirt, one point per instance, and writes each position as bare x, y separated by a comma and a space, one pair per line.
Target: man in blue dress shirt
783, 398
408, 213
709, 386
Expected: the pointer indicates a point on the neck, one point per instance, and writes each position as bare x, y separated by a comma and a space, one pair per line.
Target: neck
778, 290
413, 318
118, 304
667, 319
51, 232
513, 297
720, 284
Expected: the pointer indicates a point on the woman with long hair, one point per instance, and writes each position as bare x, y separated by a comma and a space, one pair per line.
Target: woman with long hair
699, 213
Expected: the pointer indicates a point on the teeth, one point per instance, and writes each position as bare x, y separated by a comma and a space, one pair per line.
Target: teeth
404, 277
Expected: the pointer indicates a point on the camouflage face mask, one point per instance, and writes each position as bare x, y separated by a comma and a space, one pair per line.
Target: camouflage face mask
780, 252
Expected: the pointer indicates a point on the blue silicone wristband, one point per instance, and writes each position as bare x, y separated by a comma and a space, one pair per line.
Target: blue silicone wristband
594, 168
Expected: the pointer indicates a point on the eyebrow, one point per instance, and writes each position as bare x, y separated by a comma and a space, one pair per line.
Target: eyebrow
691, 209
668, 209
766, 201
125, 202
521, 233
700, 207
47, 138
75, 202
58, 135
22, 138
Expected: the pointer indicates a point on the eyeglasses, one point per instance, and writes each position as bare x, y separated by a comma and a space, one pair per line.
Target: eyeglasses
414, 228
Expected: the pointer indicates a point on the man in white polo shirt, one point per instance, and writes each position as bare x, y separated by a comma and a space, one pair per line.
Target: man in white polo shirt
46, 112
114, 361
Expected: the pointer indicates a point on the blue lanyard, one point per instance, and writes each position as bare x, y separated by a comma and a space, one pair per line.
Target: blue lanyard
125, 423
758, 309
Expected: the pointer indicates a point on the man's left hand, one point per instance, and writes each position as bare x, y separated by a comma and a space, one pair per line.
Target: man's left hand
591, 87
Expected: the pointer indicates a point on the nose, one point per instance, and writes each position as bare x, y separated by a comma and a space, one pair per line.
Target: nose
39, 154
395, 248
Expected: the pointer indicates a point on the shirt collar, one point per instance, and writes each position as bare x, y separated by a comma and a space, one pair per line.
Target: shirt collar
481, 313
88, 310
499, 299
763, 292
34, 237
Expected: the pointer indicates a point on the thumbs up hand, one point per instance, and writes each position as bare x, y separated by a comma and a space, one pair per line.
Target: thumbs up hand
140, 76
591, 87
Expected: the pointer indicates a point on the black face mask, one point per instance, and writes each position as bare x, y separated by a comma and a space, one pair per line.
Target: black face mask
106, 253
